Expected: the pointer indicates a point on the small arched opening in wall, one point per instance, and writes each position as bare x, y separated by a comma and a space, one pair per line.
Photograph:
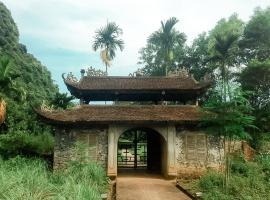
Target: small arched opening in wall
141, 150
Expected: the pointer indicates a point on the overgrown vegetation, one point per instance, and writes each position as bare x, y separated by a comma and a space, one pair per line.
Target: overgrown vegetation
24, 84
22, 178
236, 55
229, 120
249, 180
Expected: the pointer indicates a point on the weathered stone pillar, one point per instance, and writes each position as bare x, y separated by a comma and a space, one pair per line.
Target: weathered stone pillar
112, 152
171, 146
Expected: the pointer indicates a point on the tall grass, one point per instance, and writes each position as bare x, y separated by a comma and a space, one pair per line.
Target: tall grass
28, 179
249, 181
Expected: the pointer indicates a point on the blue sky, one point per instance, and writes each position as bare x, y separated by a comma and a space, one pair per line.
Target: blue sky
60, 32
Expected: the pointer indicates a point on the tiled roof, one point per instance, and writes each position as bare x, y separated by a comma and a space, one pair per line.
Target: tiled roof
112, 88
137, 83
89, 114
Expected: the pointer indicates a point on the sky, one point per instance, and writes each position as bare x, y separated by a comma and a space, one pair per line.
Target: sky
60, 33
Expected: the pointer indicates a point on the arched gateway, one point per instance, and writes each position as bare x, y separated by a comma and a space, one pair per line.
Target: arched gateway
143, 150
174, 143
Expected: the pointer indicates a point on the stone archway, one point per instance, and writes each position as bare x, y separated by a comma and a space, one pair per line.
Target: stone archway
166, 131
141, 150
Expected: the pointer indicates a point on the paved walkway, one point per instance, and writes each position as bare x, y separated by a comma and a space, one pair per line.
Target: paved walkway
147, 188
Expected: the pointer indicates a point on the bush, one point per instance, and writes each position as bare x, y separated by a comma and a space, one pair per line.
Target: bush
22, 143
249, 180
211, 181
239, 166
264, 161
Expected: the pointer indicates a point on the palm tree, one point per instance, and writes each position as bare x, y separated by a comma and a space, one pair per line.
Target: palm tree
107, 39
166, 38
222, 55
62, 100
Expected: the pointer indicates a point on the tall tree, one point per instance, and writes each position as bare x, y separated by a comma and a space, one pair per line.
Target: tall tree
229, 120
107, 39
162, 45
197, 57
166, 38
256, 79
224, 50
230, 111
256, 38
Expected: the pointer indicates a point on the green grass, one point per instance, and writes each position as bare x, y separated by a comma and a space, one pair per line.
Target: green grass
22, 178
249, 181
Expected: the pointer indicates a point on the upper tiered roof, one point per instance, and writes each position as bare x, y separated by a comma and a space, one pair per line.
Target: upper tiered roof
180, 87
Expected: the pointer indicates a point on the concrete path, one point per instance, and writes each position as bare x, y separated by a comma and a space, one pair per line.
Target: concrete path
147, 188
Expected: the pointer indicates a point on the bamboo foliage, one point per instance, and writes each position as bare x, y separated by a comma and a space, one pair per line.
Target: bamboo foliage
2, 111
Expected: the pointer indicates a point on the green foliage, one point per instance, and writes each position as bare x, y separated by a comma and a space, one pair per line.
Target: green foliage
197, 59
255, 79
239, 166
249, 180
229, 119
25, 83
107, 39
262, 143
223, 40
211, 181
9, 34
62, 101
5, 79
163, 48
22, 143
256, 38
22, 178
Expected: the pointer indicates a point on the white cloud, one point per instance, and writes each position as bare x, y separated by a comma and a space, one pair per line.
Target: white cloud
70, 24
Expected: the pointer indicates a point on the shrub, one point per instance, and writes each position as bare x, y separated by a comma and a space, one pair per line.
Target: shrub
22, 143
239, 166
249, 180
211, 180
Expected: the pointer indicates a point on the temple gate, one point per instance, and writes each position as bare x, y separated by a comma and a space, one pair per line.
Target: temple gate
174, 144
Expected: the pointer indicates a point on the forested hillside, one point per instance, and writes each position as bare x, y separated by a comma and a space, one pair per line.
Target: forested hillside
24, 83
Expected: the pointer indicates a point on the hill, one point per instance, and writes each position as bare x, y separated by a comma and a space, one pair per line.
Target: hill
27, 83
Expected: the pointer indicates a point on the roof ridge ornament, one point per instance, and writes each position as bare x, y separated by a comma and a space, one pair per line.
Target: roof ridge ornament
207, 78
91, 71
70, 78
46, 108
182, 72
179, 72
137, 73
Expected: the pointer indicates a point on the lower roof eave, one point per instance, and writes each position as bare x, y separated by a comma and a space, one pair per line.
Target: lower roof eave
104, 115
107, 123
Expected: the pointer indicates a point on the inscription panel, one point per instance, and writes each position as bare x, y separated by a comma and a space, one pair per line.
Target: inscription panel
90, 140
196, 147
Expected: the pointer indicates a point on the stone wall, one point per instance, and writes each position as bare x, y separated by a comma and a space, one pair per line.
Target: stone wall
93, 145
196, 152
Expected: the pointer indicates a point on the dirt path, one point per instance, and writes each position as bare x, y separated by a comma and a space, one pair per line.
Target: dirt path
147, 188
